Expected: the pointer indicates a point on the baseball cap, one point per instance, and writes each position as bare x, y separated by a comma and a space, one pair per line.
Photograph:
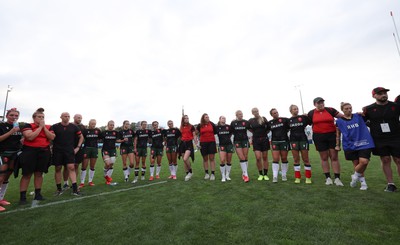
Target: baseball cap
378, 90
318, 99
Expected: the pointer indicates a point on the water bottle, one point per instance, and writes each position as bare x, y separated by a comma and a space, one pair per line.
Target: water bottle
15, 124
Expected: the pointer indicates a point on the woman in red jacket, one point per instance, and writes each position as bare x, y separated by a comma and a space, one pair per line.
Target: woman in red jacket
186, 147
325, 140
206, 130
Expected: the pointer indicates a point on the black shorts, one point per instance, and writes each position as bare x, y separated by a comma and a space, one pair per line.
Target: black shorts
79, 156
34, 159
387, 147
186, 146
261, 144
62, 158
355, 155
207, 148
324, 142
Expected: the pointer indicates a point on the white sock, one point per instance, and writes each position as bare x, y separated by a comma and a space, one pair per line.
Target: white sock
3, 190
126, 173
297, 168
66, 182
83, 176
158, 170
243, 165
284, 167
129, 170
110, 172
105, 172
151, 170
362, 179
91, 175
228, 169
357, 174
175, 168
223, 170
275, 169
171, 169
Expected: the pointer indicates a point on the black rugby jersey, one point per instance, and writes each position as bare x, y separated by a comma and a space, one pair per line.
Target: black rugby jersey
239, 129
297, 127
172, 135
279, 129
224, 133
13, 142
91, 137
142, 136
129, 134
109, 139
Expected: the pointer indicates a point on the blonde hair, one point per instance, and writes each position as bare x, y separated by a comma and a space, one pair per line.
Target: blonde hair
343, 104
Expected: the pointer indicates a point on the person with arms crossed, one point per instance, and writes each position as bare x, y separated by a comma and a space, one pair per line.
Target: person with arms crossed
10, 145
357, 143
383, 118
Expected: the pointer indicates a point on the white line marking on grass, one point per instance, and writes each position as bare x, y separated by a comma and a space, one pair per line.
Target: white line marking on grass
80, 198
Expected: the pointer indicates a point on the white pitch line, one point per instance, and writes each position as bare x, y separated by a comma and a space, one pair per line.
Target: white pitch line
80, 198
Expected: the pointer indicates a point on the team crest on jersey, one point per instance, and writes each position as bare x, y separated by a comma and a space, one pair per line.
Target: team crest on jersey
173, 131
294, 145
300, 119
96, 132
227, 128
243, 123
279, 120
113, 133
158, 130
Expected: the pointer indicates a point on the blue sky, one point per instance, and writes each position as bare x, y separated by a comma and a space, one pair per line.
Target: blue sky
144, 60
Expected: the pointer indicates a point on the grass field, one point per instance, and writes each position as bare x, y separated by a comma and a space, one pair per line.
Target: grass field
209, 212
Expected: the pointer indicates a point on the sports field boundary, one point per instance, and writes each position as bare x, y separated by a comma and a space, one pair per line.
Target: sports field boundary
36, 205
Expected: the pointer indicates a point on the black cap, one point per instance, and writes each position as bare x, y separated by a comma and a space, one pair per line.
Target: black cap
378, 90
318, 99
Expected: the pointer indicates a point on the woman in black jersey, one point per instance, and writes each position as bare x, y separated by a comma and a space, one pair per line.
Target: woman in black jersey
280, 144
140, 147
299, 143
241, 140
157, 150
259, 128
226, 149
171, 137
126, 135
10, 144
109, 151
90, 151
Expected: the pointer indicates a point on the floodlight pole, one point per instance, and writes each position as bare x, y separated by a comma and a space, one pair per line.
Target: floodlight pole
9, 88
301, 97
